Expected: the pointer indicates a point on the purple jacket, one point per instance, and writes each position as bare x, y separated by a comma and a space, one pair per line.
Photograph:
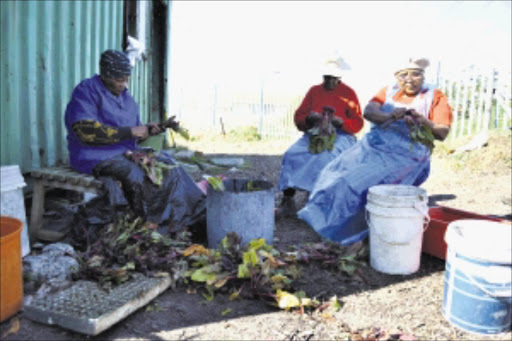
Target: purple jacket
90, 100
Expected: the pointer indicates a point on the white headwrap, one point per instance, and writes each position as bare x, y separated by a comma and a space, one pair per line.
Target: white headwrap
414, 63
334, 67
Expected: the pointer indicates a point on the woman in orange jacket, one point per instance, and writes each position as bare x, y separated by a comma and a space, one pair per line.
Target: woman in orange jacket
301, 165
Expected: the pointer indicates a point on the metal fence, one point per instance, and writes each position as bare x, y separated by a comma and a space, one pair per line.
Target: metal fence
224, 110
480, 100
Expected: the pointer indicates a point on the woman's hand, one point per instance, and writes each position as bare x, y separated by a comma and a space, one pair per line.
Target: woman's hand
337, 122
398, 113
313, 119
171, 123
440, 131
154, 129
140, 132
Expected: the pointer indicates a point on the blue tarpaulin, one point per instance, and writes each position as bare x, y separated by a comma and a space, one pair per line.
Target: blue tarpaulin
335, 208
300, 168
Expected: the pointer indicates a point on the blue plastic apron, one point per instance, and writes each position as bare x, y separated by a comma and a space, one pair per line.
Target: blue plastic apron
300, 168
335, 208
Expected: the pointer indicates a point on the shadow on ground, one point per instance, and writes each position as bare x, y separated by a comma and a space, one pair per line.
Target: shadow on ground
176, 309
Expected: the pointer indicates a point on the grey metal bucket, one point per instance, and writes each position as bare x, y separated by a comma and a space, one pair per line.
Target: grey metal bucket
245, 207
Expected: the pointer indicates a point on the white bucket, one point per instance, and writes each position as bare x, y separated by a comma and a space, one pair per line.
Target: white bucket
397, 216
13, 202
478, 276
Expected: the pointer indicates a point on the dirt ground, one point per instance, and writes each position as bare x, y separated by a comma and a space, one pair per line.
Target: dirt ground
478, 181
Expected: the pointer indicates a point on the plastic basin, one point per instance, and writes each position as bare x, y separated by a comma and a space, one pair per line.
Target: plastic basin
11, 280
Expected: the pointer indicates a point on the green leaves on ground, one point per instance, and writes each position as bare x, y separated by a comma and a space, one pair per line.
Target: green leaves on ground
347, 259
254, 270
258, 270
250, 271
226, 311
216, 183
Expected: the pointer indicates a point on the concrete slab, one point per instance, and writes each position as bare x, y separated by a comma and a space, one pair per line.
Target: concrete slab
227, 161
86, 308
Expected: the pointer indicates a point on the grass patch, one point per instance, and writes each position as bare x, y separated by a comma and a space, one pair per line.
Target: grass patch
244, 134
494, 158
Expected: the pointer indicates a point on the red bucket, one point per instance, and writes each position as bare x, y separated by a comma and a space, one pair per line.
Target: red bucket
440, 217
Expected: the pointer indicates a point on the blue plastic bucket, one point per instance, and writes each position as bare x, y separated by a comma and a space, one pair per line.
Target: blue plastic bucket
478, 276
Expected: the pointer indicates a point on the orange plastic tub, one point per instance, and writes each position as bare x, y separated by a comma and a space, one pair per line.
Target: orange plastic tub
440, 217
11, 279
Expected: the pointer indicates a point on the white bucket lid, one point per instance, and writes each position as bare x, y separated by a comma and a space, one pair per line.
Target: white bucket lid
397, 195
11, 178
481, 239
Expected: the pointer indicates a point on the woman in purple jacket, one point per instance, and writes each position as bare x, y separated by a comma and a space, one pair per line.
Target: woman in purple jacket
102, 118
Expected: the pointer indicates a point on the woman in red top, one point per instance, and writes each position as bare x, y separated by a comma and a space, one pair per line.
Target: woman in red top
300, 166
386, 155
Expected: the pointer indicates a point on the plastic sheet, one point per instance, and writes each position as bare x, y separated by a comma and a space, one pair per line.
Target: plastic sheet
300, 168
177, 203
335, 208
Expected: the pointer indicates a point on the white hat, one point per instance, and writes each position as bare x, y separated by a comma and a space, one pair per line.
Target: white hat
334, 67
414, 63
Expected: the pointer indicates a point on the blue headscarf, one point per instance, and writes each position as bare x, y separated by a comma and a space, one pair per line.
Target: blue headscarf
115, 64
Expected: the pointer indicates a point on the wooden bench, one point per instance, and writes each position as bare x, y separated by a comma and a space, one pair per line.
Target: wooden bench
63, 177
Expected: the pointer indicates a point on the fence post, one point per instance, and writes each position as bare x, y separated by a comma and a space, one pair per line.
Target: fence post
465, 94
473, 104
458, 89
451, 98
488, 100
505, 95
483, 82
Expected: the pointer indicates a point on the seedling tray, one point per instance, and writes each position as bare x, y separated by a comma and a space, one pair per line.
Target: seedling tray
88, 309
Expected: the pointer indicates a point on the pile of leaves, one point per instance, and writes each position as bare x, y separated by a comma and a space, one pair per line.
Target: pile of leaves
323, 135
346, 259
258, 270
252, 271
128, 245
155, 170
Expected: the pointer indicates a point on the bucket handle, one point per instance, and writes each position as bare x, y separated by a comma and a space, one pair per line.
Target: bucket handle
426, 221
424, 211
501, 293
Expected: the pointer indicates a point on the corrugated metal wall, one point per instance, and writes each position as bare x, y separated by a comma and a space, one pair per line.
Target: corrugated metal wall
47, 48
